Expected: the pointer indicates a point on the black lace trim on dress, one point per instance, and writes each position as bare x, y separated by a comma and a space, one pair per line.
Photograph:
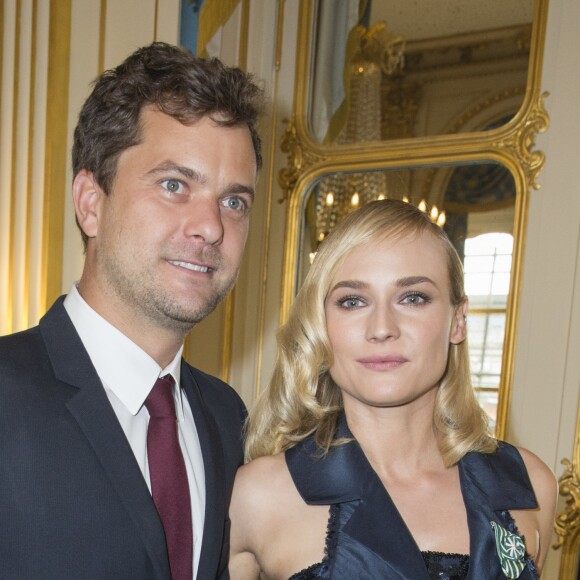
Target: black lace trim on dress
315, 571
445, 566
440, 565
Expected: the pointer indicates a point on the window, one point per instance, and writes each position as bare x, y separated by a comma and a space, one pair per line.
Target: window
487, 267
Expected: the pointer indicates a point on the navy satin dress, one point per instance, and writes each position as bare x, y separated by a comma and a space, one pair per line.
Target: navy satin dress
367, 538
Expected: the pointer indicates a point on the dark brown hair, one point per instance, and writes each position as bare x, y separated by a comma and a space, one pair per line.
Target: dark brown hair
175, 82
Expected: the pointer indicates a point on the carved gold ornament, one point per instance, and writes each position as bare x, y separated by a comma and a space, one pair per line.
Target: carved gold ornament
522, 142
568, 521
567, 524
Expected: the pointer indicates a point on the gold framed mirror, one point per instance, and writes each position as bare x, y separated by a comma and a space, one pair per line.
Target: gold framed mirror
497, 132
424, 63
479, 221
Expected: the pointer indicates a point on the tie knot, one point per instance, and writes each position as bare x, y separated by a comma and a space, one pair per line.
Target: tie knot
160, 401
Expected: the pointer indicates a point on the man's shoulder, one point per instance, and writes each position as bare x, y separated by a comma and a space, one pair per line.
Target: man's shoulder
203, 377
26, 342
25, 368
18, 348
213, 389
224, 406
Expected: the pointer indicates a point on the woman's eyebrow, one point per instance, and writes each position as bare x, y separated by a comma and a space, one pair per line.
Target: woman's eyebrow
354, 284
412, 280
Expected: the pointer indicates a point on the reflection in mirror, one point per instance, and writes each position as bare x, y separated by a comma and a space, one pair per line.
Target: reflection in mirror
475, 205
410, 69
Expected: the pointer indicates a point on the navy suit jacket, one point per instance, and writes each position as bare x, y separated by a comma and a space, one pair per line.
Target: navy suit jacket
73, 500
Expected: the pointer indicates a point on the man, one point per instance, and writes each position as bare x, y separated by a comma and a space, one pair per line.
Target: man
96, 480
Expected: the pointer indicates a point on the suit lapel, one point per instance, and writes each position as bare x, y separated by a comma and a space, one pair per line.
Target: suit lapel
91, 409
215, 476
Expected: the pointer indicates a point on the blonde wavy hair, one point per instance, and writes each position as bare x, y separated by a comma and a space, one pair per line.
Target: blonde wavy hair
302, 398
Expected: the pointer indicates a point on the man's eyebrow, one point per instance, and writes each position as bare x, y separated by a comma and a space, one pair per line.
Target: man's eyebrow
238, 188
189, 173
170, 167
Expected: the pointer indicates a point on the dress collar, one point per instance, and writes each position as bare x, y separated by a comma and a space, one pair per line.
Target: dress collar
489, 482
339, 475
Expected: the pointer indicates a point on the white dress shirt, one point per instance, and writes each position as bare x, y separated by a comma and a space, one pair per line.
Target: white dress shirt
128, 374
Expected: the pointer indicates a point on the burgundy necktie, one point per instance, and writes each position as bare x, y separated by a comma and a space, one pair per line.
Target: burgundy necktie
169, 485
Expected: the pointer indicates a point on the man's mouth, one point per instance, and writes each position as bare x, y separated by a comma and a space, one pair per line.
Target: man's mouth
190, 266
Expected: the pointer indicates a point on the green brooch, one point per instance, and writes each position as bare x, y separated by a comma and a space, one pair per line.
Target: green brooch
511, 551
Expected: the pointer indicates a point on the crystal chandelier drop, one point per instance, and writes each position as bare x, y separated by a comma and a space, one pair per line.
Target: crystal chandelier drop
377, 53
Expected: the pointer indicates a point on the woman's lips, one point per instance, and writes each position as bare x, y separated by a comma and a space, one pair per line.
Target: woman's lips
382, 363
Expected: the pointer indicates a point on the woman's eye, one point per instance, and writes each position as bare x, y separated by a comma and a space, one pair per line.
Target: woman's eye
415, 299
350, 302
173, 185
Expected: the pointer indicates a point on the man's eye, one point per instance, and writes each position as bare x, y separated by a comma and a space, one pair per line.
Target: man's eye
235, 203
172, 185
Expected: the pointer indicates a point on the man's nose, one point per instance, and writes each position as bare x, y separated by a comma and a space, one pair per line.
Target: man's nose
204, 221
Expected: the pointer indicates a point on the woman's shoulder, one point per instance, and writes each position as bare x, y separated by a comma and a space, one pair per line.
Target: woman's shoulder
541, 475
264, 485
545, 486
543, 481
262, 470
272, 527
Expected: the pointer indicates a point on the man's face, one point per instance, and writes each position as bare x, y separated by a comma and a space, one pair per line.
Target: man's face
167, 241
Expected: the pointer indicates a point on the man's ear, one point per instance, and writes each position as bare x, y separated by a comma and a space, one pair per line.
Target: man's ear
86, 198
459, 324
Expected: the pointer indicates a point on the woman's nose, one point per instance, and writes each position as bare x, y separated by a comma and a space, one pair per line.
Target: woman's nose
382, 325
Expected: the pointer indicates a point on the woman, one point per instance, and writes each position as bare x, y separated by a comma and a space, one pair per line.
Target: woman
371, 457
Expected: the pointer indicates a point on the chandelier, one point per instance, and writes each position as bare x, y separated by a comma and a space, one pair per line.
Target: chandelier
378, 54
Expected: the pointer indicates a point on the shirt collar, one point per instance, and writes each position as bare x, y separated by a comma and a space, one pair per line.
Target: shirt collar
123, 367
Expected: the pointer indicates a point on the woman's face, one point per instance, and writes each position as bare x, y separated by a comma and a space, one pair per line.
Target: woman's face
390, 321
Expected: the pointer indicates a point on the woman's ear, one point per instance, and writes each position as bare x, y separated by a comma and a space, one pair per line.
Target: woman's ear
459, 324
86, 197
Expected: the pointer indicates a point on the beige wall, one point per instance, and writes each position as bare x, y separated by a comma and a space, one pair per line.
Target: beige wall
50, 51
546, 385
545, 399
101, 38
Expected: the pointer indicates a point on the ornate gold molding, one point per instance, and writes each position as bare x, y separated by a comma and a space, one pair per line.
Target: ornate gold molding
300, 159
567, 524
521, 143
505, 95
502, 100
568, 521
